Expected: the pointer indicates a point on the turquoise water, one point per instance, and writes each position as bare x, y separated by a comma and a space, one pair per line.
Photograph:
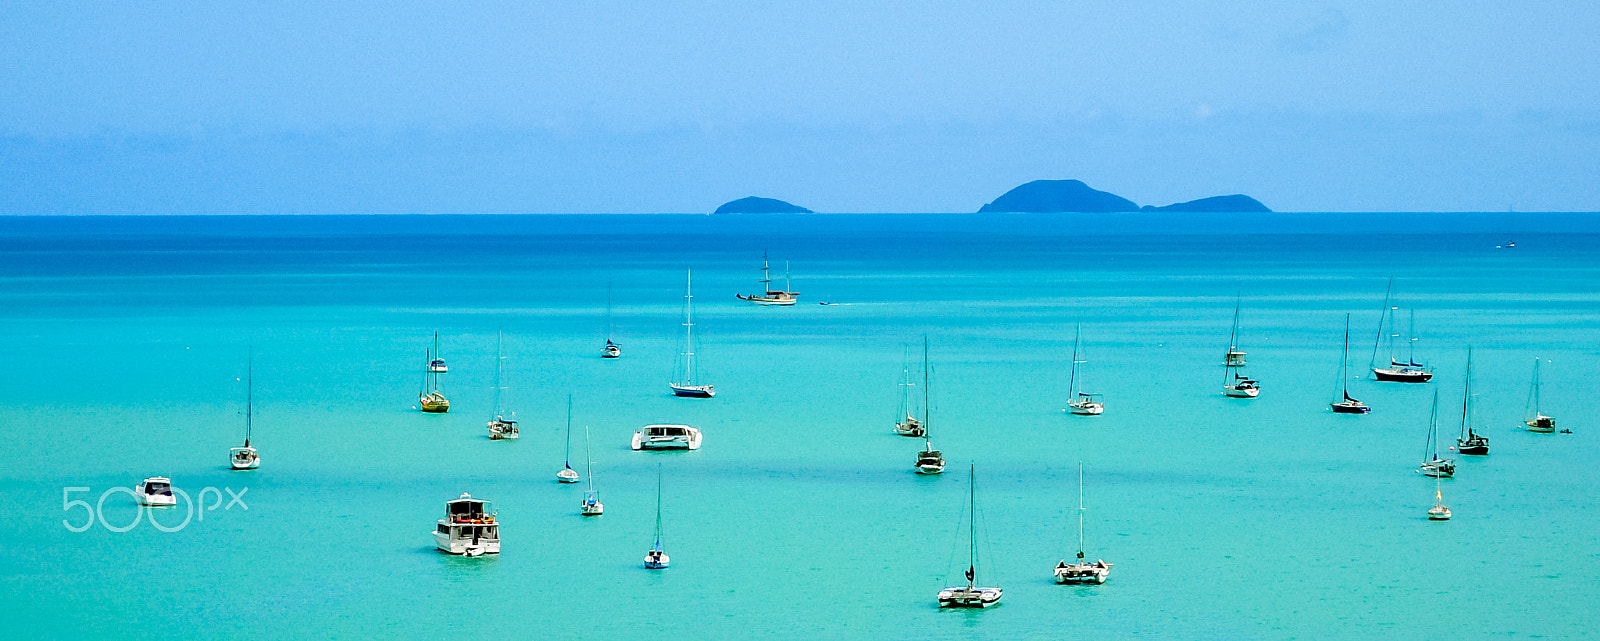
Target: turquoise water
125, 341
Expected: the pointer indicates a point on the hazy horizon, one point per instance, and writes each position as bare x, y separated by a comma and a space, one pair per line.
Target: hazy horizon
602, 107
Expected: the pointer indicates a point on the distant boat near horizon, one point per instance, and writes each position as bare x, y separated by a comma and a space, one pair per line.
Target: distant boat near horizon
611, 350
770, 296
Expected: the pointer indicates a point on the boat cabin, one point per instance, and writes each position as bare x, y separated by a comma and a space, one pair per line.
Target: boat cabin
469, 527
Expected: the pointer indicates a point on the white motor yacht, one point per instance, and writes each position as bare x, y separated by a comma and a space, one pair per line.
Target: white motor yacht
664, 437
468, 528
156, 491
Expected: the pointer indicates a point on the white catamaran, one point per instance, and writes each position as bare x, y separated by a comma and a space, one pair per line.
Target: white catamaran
1081, 403
1082, 571
970, 595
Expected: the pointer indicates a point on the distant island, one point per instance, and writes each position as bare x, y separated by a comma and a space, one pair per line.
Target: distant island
755, 205
1237, 203
1062, 196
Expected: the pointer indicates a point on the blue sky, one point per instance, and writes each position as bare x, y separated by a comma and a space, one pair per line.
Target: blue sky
610, 106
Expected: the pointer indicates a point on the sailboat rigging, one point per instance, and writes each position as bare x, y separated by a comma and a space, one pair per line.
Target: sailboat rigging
970, 596
1535, 419
1470, 441
591, 499
1235, 384
430, 400
567, 474
909, 425
686, 386
246, 457
1081, 403
1432, 465
500, 427
1082, 571
656, 558
611, 350
1410, 371
929, 460
1347, 405
770, 296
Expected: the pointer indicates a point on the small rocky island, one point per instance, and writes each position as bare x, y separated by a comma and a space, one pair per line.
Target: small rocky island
1063, 196
755, 205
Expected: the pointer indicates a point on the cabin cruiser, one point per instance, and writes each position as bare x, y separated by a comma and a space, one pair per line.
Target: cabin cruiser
155, 491
468, 528
654, 437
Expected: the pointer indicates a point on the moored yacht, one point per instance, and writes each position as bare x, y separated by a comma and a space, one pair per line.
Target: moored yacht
155, 491
686, 385
567, 474
1536, 419
970, 595
1432, 465
591, 499
430, 400
1082, 571
246, 457
909, 425
468, 528
666, 437
1081, 403
436, 363
1470, 442
500, 427
1347, 405
770, 296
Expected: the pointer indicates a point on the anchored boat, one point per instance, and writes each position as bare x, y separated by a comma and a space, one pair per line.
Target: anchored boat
970, 596
468, 528
246, 457
771, 296
686, 386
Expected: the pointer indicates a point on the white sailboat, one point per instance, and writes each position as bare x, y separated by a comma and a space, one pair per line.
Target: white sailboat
1439, 511
770, 296
591, 499
1082, 571
1535, 419
686, 386
1234, 384
970, 595
436, 364
929, 460
1432, 465
909, 425
656, 558
246, 457
611, 350
567, 474
500, 427
1082, 403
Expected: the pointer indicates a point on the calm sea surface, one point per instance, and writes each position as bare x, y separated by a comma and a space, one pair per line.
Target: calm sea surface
124, 343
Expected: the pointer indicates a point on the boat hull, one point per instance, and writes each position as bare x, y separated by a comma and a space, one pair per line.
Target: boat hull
694, 391
910, 427
1543, 424
960, 597
594, 509
610, 352
773, 298
244, 458
657, 560
433, 403
1083, 573
1439, 514
1402, 375
1086, 409
1234, 392
567, 475
1349, 408
465, 547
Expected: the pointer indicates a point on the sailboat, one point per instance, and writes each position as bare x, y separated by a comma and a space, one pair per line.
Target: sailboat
656, 558
246, 457
1347, 405
909, 425
430, 400
1235, 384
1535, 419
591, 499
1082, 571
686, 386
436, 363
1439, 511
970, 596
567, 474
770, 296
1410, 371
611, 350
1470, 441
1433, 465
500, 427
1081, 403
929, 460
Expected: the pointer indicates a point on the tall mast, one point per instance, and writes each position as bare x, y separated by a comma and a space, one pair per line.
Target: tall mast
1072, 386
568, 455
972, 525
427, 372
1411, 357
658, 506
688, 329
1344, 363
608, 310
1385, 310
249, 392
787, 286
1466, 395
499, 364
1433, 429
1080, 512
766, 274
927, 398
1536, 387
1233, 336
588, 461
